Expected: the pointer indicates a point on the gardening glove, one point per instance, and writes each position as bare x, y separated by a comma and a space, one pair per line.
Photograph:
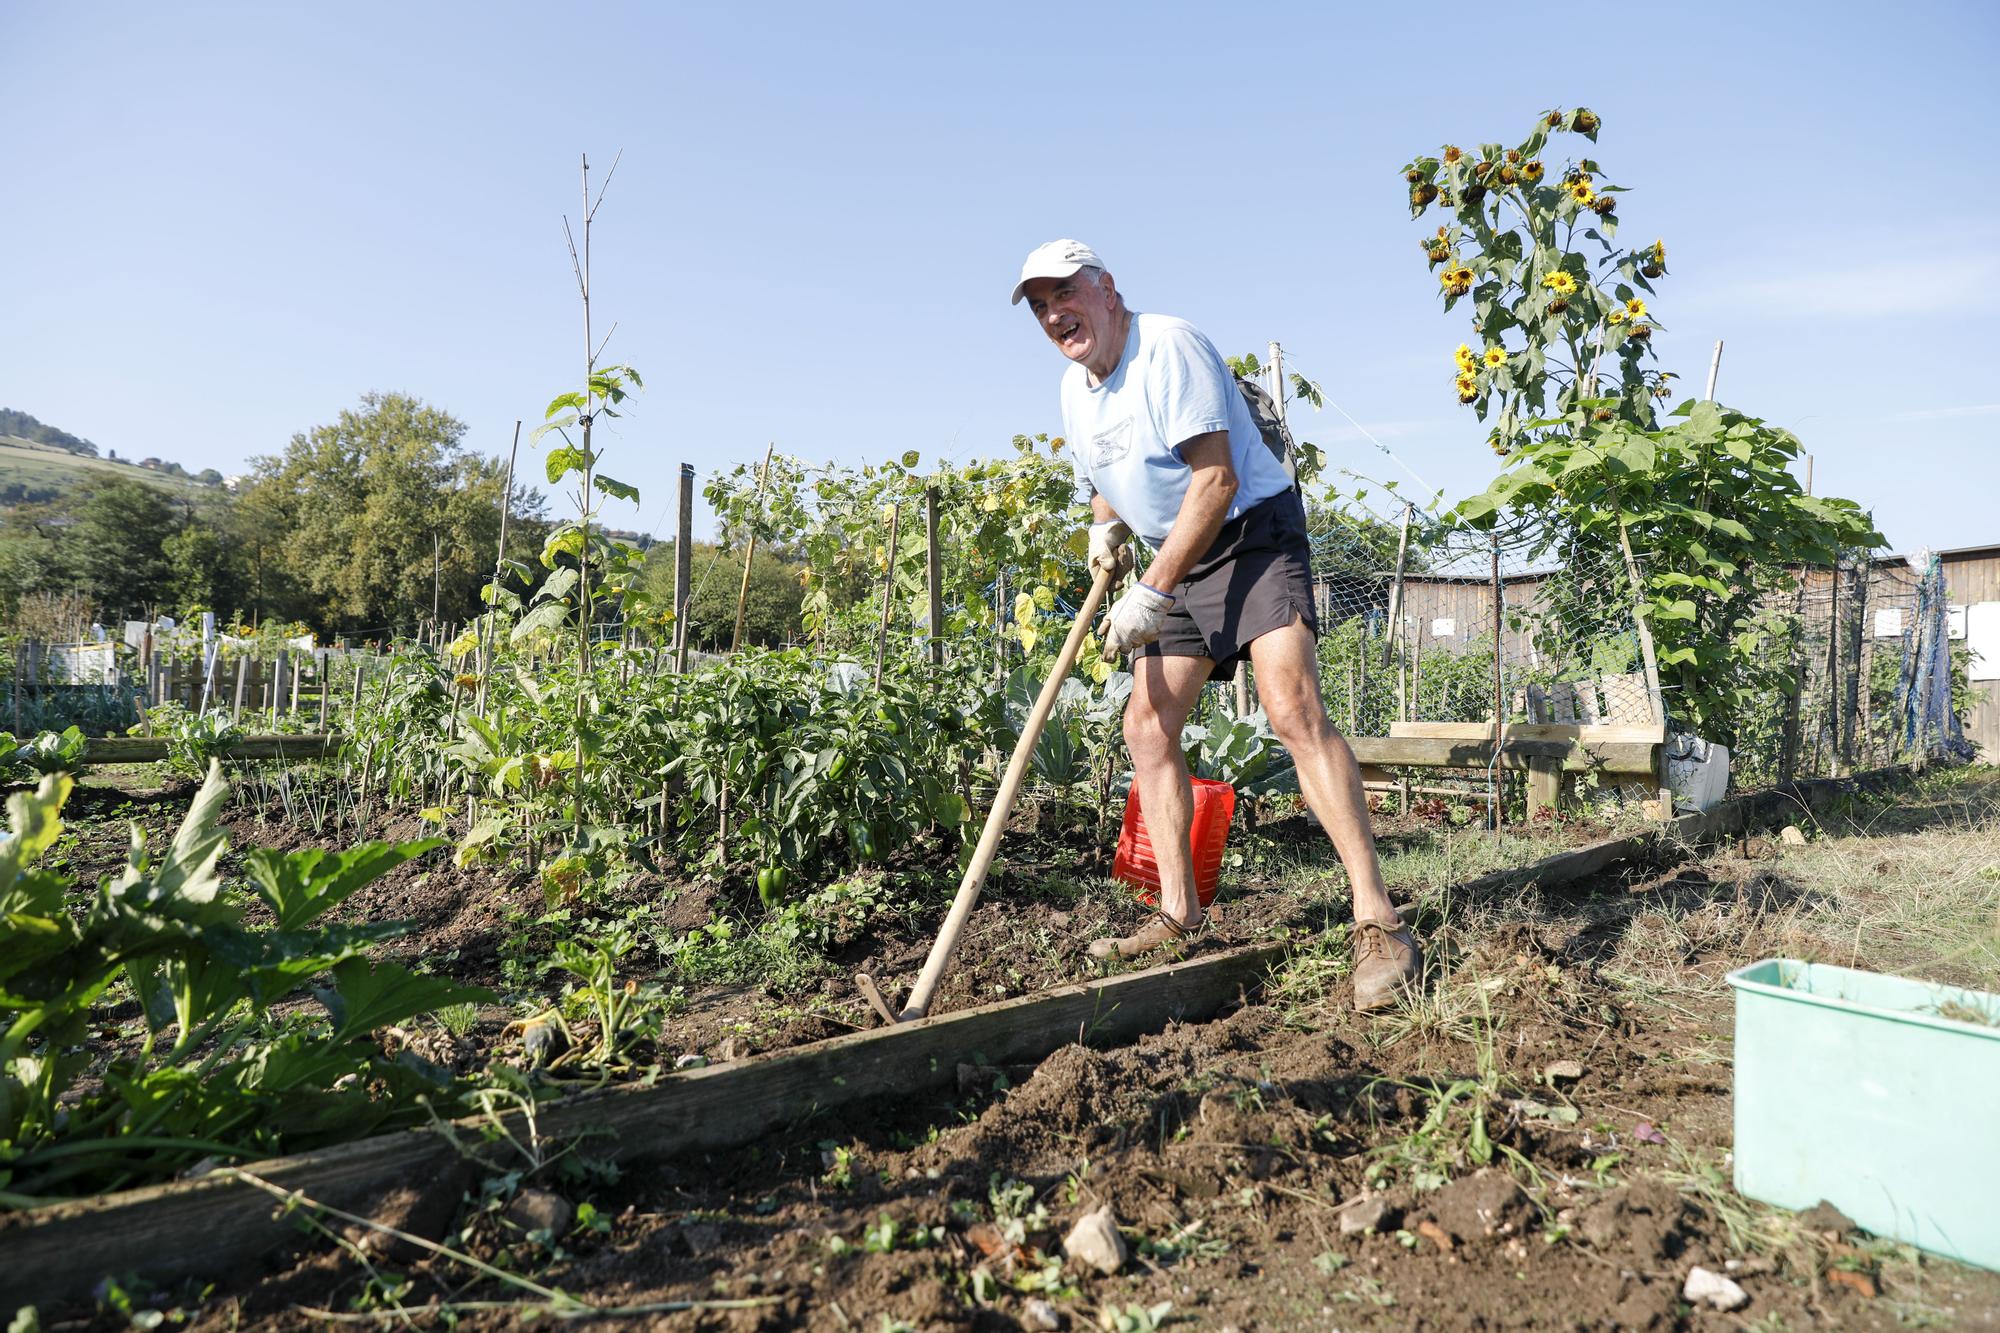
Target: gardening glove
1135, 620
1108, 549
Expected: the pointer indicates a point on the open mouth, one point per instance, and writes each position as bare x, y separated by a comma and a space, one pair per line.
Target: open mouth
1069, 332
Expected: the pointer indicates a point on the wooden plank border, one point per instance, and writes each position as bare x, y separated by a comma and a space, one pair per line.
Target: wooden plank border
152, 749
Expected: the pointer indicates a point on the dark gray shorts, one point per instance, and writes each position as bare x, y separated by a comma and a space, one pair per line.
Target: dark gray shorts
1256, 578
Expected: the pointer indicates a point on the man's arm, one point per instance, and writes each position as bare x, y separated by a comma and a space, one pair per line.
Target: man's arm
1202, 512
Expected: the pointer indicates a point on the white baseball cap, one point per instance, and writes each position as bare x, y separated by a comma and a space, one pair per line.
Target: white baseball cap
1057, 259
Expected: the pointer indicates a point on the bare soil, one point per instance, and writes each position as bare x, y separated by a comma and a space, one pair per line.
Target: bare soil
1237, 1157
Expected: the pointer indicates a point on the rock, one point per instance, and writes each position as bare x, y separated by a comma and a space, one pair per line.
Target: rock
1859, 1283
540, 1210
732, 1048
1823, 1216
1435, 1234
1482, 1206
1758, 849
1368, 1212
1039, 1315
691, 1061
1713, 1290
1791, 836
1095, 1243
1563, 1071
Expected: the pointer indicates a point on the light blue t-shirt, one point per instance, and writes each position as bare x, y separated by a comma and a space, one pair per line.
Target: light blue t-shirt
1125, 434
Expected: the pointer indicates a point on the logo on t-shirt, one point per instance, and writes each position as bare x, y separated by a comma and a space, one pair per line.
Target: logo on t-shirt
1111, 444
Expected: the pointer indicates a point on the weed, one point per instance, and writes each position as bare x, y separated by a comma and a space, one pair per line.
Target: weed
1134, 1318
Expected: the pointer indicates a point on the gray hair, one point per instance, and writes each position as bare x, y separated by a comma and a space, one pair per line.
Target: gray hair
1094, 275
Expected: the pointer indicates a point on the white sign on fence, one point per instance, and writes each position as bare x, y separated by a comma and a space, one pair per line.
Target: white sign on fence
1444, 628
1955, 621
1982, 636
1889, 623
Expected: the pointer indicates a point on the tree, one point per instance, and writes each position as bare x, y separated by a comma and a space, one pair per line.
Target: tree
376, 506
118, 544
771, 611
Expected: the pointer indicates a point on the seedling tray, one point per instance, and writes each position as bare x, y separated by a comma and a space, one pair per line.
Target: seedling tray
1875, 1093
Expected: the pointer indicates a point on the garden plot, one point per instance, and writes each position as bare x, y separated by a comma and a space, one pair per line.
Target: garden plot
1540, 1139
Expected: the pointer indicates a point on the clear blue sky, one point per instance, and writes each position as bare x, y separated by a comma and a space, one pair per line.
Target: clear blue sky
224, 223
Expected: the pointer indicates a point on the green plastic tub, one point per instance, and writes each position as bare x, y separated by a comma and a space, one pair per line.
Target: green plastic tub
1878, 1094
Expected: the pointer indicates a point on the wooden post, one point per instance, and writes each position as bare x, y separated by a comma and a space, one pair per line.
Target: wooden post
934, 575
683, 567
1788, 751
1416, 673
1000, 631
277, 686
1356, 713
325, 661
1493, 811
888, 593
1856, 687
1393, 638
749, 550
236, 703
292, 698
1665, 796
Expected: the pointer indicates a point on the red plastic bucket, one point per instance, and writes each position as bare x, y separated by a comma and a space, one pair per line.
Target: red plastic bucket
1214, 806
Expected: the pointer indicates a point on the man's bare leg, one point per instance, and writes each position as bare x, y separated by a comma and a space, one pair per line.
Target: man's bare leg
1164, 692
1287, 664
1288, 686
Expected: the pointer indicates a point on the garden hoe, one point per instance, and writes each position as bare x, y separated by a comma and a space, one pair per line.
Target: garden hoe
996, 823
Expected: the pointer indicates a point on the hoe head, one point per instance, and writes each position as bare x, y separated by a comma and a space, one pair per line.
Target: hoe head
873, 994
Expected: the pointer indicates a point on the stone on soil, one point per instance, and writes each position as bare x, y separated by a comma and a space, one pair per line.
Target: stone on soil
1095, 1243
1563, 1071
1371, 1212
540, 1210
1713, 1290
1040, 1316
1791, 836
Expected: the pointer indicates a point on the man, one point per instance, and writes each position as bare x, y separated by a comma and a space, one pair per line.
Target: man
1161, 433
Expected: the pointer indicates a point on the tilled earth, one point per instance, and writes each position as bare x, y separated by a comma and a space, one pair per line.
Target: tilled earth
1290, 1164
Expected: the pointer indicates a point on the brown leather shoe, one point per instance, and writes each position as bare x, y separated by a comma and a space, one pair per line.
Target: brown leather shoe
1387, 963
1157, 933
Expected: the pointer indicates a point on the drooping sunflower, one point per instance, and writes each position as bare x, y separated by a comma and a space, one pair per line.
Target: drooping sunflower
1452, 153
1533, 170
1495, 357
1561, 283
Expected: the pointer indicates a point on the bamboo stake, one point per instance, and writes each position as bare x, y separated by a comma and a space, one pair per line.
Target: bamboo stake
934, 575
683, 567
1393, 638
749, 550
888, 593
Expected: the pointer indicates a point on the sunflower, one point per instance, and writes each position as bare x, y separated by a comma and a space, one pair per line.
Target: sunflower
1533, 170
1495, 357
1579, 190
1561, 283
1605, 204
1463, 357
1659, 252
1467, 386
1456, 280
1451, 153
1616, 317
1635, 309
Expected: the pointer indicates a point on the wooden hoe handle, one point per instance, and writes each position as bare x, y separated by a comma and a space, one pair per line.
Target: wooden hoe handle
1003, 805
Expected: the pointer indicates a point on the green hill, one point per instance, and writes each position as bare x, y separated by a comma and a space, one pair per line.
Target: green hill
32, 471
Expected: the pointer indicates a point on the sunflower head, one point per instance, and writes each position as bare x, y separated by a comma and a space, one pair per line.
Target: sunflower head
1561, 283
1616, 317
1652, 270
1604, 204
1413, 176
1586, 122
1422, 196
1635, 309
1555, 120
1508, 175
1580, 191
1452, 154
1659, 252
1640, 332
1533, 170
1513, 155
1494, 357
1601, 415
1557, 306
1463, 357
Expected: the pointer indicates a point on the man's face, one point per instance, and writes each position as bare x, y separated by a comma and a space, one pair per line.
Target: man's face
1079, 316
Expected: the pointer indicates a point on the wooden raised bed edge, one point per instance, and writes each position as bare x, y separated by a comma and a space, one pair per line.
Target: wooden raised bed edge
152, 749
214, 1225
